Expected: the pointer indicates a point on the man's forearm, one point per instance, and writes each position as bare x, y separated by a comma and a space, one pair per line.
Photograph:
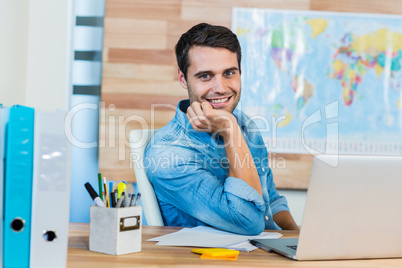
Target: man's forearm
241, 163
203, 117
285, 220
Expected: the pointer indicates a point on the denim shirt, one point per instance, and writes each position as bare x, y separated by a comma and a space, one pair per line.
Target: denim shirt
190, 174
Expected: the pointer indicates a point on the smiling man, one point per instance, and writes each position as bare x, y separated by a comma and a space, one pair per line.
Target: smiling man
209, 165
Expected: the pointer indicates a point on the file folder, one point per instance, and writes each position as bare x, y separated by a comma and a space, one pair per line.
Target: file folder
3, 123
18, 187
51, 191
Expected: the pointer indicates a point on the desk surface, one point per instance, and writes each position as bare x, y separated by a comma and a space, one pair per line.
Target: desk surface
163, 256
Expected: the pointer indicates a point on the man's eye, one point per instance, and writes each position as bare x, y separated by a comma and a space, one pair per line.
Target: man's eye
228, 73
205, 76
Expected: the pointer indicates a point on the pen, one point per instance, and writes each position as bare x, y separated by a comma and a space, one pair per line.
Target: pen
113, 197
94, 195
106, 193
100, 186
137, 199
121, 187
110, 189
120, 200
126, 202
132, 200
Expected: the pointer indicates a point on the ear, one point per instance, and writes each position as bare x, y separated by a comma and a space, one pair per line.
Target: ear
182, 80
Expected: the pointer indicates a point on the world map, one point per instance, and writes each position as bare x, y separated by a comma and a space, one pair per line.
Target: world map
324, 80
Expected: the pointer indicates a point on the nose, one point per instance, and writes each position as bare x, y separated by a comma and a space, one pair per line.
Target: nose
219, 85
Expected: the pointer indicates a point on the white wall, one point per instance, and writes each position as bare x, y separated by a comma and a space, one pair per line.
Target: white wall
36, 53
13, 33
49, 54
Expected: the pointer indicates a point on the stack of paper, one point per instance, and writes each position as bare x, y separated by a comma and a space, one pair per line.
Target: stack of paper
203, 236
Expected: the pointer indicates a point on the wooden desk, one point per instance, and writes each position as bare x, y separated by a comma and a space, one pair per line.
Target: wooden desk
163, 256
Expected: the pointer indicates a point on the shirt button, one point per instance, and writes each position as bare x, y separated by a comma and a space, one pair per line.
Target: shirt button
266, 217
263, 169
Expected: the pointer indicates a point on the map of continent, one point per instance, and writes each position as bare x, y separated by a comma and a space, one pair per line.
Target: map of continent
370, 51
340, 68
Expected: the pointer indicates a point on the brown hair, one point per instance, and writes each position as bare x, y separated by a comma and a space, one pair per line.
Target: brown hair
208, 35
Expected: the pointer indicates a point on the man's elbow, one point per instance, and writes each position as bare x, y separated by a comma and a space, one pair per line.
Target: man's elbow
248, 219
255, 227
250, 226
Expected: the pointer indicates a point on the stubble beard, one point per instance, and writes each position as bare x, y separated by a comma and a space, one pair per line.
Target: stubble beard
193, 97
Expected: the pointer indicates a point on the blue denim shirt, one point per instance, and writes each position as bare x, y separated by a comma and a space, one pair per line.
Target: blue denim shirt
190, 173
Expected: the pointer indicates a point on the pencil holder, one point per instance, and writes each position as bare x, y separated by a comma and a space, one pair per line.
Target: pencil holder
115, 231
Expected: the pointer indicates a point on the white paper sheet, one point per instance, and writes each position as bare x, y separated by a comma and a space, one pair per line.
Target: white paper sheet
203, 236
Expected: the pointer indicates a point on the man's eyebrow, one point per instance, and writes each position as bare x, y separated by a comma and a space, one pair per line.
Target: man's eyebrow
197, 74
232, 69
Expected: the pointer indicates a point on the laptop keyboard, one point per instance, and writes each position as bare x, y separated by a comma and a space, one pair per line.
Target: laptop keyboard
292, 247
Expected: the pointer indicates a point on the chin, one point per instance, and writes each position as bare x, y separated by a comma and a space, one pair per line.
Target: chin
228, 109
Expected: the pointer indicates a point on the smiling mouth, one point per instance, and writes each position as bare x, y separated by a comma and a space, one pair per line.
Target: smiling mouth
216, 101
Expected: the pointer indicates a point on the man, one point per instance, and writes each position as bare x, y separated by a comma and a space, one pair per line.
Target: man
209, 165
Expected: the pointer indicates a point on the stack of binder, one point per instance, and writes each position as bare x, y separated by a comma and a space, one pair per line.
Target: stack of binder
3, 123
35, 183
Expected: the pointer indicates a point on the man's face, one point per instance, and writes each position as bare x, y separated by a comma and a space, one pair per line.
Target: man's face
213, 76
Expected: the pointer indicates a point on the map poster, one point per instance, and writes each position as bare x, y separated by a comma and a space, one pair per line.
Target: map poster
322, 82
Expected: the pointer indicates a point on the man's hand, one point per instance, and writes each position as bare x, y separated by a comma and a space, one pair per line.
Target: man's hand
203, 117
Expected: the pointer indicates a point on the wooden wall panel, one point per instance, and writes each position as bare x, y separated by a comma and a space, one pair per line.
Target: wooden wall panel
141, 86
144, 56
134, 33
139, 70
150, 72
144, 9
129, 100
361, 6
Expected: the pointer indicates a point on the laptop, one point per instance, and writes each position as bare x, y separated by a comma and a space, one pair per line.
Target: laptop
353, 211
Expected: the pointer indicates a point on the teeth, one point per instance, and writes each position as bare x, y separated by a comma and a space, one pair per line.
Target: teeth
219, 101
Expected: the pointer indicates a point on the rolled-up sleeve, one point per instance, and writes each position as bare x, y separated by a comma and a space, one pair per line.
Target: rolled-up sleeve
243, 191
277, 202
